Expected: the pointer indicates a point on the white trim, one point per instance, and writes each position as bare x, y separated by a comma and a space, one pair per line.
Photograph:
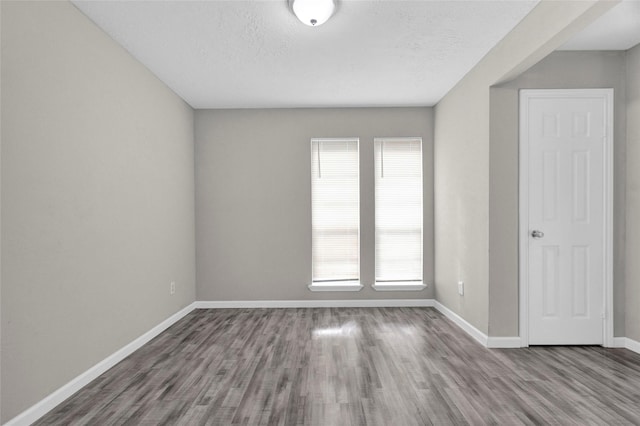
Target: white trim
627, 343
356, 303
523, 222
312, 286
478, 335
36, 411
400, 138
399, 286
347, 139
608, 230
504, 342
619, 342
336, 286
632, 345
383, 286
523, 206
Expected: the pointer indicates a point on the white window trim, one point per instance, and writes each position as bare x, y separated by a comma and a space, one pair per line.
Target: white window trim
343, 285
336, 286
403, 285
399, 286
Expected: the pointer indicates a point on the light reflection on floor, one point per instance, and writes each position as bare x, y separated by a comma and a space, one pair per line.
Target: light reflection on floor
348, 329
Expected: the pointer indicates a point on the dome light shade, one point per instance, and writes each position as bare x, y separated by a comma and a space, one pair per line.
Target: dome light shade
313, 12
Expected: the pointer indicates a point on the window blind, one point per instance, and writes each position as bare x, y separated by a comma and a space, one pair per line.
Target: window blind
335, 210
398, 209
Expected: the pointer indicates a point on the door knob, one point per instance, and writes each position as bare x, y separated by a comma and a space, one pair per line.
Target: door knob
537, 234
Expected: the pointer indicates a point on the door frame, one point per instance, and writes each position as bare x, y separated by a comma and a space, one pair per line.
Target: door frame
523, 204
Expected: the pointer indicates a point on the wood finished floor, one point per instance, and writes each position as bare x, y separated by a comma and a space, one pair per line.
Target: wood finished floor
351, 366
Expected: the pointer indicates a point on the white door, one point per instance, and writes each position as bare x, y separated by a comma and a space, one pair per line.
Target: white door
564, 138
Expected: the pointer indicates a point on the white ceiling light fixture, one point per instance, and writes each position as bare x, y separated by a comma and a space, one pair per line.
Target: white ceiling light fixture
313, 12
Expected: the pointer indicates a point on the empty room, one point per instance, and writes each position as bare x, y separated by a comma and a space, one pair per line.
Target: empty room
320, 212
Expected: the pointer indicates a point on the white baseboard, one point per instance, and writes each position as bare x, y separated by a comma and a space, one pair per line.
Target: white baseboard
619, 342
33, 413
504, 342
478, 335
356, 303
627, 343
633, 345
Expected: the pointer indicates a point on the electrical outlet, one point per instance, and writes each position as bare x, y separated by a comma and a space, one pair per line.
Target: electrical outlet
172, 287
461, 288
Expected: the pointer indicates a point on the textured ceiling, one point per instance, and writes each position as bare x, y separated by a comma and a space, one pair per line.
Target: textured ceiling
618, 29
249, 54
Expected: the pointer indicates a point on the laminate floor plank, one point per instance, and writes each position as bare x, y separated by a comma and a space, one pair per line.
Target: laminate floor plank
351, 366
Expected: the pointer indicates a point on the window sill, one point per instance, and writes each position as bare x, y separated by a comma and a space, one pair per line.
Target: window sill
336, 286
399, 286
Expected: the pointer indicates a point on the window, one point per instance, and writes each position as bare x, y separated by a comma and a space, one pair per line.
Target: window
335, 211
398, 213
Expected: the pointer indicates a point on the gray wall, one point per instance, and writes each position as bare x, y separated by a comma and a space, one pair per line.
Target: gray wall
633, 195
462, 154
253, 198
560, 70
97, 199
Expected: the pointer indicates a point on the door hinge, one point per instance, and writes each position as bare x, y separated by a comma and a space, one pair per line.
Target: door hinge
603, 316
